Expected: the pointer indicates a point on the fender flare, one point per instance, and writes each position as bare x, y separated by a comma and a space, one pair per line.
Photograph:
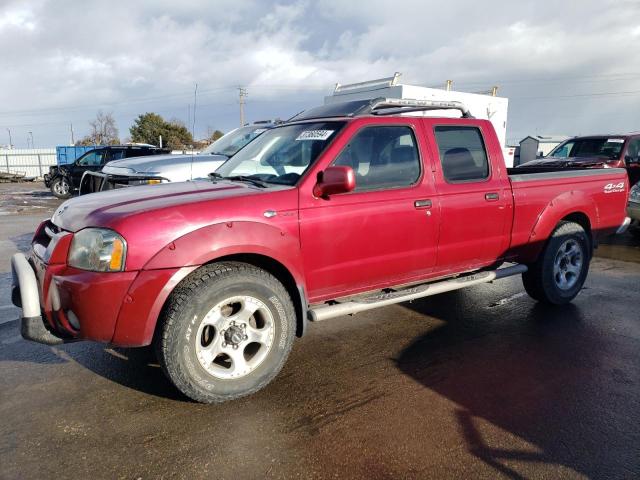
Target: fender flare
243, 238
562, 206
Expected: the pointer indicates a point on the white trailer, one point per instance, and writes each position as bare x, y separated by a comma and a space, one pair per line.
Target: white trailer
488, 107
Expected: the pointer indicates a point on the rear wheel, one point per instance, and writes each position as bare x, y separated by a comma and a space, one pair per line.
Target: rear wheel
561, 269
61, 188
226, 332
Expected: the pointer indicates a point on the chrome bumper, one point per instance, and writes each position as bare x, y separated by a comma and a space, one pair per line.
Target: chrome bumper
25, 294
25, 286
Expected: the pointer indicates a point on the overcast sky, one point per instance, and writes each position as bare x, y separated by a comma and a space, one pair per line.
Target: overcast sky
566, 67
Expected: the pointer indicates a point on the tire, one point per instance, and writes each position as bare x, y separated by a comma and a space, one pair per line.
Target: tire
225, 332
561, 269
61, 188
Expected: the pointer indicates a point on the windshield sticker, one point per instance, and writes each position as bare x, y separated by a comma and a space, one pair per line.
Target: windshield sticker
615, 140
315, 135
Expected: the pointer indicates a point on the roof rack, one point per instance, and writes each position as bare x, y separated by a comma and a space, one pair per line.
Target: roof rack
392, 106
378, 106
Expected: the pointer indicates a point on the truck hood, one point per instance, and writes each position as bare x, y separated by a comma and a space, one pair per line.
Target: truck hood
151, 217
584, 162
171, 201
156, 163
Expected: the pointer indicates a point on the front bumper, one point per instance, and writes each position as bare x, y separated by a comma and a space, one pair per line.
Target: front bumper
62, 304
25, 294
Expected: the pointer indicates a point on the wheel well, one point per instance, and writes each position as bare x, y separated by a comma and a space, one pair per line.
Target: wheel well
582, 220
281, 272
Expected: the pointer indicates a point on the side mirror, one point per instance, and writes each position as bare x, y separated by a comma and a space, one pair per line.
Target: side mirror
334, 180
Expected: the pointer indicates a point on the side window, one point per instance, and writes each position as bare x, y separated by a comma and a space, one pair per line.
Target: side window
633, 150
382, 157
117, 154
462, 154
92, 159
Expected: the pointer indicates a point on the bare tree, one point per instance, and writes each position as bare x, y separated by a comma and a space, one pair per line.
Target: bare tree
103, 131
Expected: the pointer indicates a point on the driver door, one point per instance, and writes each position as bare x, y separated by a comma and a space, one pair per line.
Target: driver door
92, 161
383, 233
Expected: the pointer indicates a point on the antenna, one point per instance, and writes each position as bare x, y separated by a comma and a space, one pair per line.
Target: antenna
242, 92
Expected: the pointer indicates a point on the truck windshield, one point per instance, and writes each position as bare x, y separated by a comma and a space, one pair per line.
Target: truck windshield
605, 147
281, 155
229, 144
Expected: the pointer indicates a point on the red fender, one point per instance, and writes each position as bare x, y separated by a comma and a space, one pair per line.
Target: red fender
230, 238
560, 207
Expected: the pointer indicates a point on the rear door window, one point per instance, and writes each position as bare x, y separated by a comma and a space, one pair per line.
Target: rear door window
463, 155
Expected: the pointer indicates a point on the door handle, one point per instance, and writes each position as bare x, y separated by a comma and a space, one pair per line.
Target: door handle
491, 197
422, 204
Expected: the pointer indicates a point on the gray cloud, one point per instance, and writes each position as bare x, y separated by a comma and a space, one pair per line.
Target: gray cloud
63, 60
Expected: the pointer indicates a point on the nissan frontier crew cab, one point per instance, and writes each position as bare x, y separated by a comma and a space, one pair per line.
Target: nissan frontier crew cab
344, 208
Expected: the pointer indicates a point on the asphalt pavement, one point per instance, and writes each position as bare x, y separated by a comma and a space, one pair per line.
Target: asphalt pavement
479, 383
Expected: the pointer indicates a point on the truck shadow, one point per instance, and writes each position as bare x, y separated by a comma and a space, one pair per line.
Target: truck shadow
135, 368
539, 373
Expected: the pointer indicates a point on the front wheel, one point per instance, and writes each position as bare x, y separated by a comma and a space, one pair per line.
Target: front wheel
61, 188
226, 332
561, 269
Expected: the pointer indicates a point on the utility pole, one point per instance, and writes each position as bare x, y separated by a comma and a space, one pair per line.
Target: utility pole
242, 94
73, 142
195, 99
33, 145
10, 141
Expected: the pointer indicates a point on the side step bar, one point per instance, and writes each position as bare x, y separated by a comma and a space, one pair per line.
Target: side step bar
325, 311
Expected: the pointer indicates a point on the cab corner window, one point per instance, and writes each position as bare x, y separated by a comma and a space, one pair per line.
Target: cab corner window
462, 154
382, 157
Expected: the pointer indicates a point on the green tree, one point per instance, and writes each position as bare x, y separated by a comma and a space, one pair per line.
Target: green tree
215, 136
148, 128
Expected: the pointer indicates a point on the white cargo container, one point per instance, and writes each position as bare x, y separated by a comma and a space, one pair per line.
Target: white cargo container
488, 107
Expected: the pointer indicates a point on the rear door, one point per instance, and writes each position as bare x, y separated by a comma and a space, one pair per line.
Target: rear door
385, 231
474, 193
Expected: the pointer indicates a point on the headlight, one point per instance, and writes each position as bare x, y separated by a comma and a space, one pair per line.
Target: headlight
634, 193
98, 250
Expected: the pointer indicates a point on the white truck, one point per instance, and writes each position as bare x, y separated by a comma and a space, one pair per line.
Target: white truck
487, 107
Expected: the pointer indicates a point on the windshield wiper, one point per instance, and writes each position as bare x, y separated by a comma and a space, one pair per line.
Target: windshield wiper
219, 153
239, 178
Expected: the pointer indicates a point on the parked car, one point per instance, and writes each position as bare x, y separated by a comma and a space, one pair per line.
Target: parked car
63, 180
171, 168
633, 209
597, 151
345, 208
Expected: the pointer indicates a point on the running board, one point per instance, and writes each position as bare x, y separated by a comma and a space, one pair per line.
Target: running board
350, 307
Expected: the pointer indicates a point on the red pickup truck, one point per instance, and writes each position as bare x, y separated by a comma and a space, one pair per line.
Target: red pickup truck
345, 208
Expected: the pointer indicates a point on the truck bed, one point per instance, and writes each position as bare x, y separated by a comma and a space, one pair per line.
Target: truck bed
541, 196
